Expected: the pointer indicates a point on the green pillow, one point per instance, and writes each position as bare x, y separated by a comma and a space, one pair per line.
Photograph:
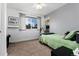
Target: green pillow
70, 35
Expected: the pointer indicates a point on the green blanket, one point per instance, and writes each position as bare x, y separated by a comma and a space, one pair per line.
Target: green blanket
56, 41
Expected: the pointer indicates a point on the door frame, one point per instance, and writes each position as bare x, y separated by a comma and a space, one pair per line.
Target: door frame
3, 48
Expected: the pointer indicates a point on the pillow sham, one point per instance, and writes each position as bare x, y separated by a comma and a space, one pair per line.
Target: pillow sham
70, 35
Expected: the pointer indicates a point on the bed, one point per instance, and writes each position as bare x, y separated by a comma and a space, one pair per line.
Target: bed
55, 41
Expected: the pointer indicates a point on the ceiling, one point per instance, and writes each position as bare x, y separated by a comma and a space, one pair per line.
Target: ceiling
31, 11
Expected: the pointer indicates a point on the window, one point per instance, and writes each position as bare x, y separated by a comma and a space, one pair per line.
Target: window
29, 23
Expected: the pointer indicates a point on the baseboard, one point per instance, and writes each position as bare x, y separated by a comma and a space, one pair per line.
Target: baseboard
24, 40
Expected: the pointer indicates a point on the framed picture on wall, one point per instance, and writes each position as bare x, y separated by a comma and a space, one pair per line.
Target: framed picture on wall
13, 21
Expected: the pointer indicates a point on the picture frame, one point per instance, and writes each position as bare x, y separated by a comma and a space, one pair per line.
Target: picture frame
13, 21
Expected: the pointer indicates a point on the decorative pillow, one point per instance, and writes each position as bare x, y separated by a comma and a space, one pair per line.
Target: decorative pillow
70, 35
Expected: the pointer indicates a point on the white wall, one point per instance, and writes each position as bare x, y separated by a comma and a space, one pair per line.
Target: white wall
65, 19
16, 34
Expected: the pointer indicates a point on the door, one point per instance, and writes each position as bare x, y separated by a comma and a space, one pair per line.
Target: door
0, 21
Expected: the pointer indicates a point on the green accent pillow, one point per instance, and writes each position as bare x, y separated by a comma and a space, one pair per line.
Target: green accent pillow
70, 35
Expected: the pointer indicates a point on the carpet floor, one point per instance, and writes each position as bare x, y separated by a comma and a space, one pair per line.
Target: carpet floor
28, 48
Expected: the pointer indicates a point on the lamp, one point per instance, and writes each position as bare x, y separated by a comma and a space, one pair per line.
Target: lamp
39, 5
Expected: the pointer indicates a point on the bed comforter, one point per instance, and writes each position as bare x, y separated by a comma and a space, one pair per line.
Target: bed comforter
56, 41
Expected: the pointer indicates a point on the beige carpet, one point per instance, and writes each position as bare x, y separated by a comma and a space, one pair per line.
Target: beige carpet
28, 48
